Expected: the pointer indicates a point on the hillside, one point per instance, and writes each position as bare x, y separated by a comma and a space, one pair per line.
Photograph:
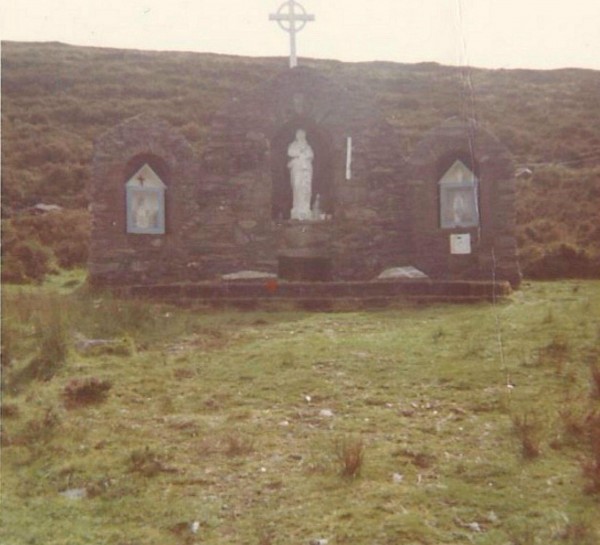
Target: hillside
56, 99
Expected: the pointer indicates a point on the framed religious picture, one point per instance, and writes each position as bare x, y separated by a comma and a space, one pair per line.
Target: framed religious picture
458, 197
145, 203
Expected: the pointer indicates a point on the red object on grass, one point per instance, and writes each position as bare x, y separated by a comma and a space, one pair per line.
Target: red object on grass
272, 286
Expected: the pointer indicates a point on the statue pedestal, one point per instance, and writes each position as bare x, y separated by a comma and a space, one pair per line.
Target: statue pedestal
304, 251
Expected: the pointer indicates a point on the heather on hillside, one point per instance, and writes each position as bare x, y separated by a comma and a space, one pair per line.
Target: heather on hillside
58, 99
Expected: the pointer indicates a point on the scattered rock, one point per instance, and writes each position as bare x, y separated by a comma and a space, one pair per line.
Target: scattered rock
326, 413
74, 493
402, 272
397, 478
83, 345
248, 275
473, 526
43, 208
523, 172
96, 347
492, 517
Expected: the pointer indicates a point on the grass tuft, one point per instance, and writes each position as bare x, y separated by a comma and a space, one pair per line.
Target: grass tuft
39, 432
10, 410
238, 445
85, 391
578, 532
573, 422
595, 380
145, 462
591, 465
350, 454
528, 428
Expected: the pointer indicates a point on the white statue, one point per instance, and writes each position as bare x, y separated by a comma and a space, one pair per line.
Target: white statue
301, 172
460, 210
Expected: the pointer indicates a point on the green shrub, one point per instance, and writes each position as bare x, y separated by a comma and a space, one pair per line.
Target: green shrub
23, 260
36, 259
71, 253
13, 271
560, 261
35, 244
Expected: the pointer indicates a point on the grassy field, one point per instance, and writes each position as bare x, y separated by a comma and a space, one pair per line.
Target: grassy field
432, 425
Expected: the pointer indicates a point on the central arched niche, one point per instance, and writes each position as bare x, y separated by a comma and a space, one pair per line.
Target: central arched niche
322, 183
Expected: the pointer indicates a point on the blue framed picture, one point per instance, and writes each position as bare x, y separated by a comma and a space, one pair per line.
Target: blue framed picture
458, 197
145, 203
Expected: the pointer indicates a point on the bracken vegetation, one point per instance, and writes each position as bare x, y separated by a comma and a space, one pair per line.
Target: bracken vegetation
56, 99
428, 425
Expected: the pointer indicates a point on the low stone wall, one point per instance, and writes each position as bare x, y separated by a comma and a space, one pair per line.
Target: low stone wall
320, 295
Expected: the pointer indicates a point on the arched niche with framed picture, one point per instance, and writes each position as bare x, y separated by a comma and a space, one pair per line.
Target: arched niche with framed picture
145, 202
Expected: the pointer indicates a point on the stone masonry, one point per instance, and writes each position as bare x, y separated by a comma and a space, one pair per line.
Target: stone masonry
227, 209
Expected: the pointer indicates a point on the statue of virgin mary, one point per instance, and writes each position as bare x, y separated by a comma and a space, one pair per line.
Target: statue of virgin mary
301, 172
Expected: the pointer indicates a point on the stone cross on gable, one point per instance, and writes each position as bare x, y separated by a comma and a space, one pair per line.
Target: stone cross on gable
292, 18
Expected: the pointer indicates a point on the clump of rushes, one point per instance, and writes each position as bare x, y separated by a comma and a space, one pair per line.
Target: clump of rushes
595, 380
591, 466
85, 391
146, 463
528, 429
238, 445
350, 453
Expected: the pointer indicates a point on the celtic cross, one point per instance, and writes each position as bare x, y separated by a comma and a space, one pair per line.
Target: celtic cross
292, 18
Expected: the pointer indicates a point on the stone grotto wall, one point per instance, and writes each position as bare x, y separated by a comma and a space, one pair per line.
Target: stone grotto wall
227, 209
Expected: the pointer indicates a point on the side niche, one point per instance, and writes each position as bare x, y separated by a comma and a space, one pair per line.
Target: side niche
145, 202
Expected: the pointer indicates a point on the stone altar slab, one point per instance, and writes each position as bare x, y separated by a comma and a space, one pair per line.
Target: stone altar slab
411, 273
